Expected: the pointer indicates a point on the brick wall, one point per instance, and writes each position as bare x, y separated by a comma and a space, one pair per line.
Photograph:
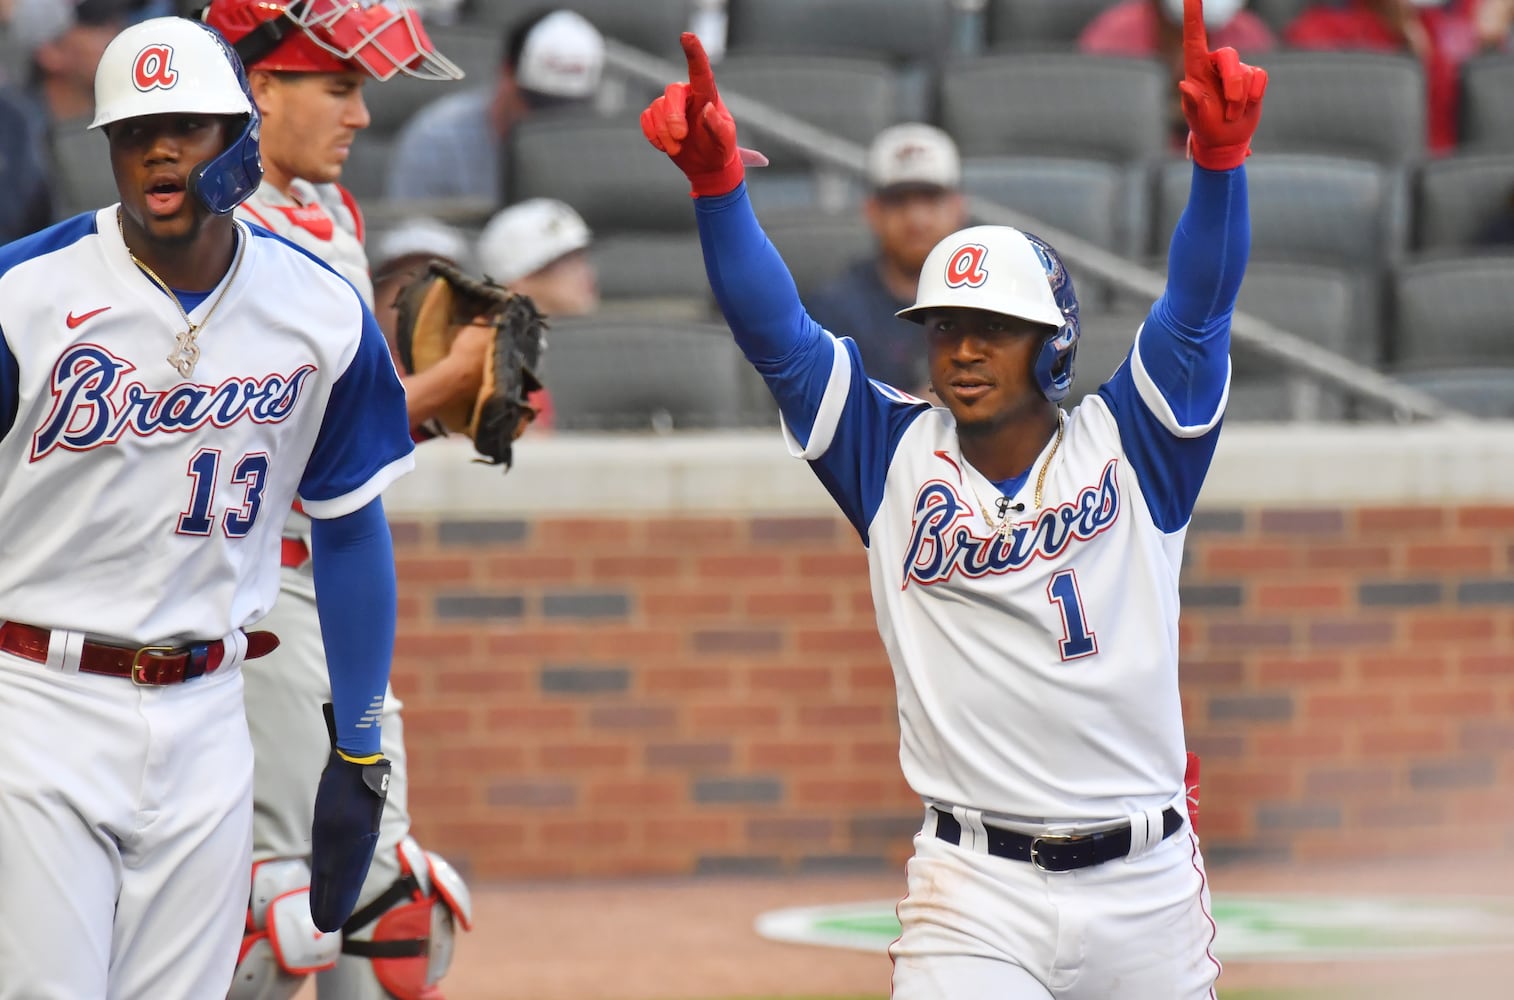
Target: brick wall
643, 694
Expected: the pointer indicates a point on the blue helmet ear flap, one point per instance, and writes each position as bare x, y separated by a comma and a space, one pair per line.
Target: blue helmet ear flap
1054, 364
226, 180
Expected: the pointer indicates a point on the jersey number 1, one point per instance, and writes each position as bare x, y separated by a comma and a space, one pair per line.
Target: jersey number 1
251, 473
1077, 639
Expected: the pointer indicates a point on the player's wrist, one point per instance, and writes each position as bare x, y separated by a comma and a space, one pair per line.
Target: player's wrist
1218, 157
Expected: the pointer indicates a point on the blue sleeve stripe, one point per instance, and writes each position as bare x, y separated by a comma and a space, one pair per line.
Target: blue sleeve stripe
10, 387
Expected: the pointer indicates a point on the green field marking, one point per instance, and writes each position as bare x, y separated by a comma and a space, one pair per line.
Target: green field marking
1251, 927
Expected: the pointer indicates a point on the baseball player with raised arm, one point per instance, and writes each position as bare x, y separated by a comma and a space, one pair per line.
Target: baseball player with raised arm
171, 381
1024, 561
307, 65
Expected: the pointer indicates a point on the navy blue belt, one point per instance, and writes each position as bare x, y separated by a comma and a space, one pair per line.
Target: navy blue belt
1055, 852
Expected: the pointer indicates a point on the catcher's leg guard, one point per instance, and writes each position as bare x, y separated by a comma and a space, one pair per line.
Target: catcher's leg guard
281, 945
405, 934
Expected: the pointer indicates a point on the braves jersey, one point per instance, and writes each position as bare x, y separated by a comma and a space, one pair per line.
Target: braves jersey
145, 507
322, 218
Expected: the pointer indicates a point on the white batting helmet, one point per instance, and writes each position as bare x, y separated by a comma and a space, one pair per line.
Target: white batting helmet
1003, 270
172, 65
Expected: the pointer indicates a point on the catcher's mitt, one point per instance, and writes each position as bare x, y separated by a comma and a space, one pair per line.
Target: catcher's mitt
439, 303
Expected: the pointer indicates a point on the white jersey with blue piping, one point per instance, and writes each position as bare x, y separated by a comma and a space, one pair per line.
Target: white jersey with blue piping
146, 507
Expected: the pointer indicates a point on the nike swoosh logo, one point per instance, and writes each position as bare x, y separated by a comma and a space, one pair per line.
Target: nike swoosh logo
74, 321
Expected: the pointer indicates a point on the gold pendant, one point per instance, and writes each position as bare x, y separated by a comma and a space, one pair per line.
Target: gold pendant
185, 353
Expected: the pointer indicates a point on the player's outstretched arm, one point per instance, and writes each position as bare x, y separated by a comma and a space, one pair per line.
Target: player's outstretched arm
356, 601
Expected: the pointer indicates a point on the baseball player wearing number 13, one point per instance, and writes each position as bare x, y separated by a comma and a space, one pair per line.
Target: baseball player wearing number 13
1024, 561
171, 381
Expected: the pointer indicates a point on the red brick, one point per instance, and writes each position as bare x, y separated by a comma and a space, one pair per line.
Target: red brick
494, 680
1485, 518
695, 533
505, 719
841, 715
1231, 560
1223, 822
840, 793
1348, 707
571, 756
635, 568
1278, 672
734, 718
412, 570
1464, 558
679, 605
1487, 665
681, 680
690, 833
534, 642
1248, 784
475, 759
1385, 667
634, 793
860, 641
791, 754
1310, 744
590, 833
875, 753
1400, 521
813, 680
1348, 557
792, 604
831, 565
616, 642
1403, 738
431, 645
587, 533
1300, 596
412, 608
875, 677
1440, 628
429, 721
431, 796
1455, 704
861, 602
530, 569
742, 566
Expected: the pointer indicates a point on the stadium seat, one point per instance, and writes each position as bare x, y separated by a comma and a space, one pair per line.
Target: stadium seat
1092, 199
650, 265
650, 25
1278, 13
649, 374
1453, 313
1106, 340
1057, 104
477, 53
1456, 196
1321, 305
1485, 392
1358, 104
604, 168
818, 247
850, 97
367, 166
1050, 23
1487, 112
900, 30
1320, 209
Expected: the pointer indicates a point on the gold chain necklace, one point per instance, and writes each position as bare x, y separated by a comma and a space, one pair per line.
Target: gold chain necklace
186, 353
1002, 526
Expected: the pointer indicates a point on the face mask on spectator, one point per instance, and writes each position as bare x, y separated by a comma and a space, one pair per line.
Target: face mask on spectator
1217, 13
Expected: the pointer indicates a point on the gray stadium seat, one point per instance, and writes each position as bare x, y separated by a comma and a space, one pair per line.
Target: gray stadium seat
1483, 392
646, 374
1106, 340
1320, 209
1046, 22
478, 53
1278, 13
1487, 112
847, 96
604, 168
650, 265
1321, 305
1456, 196
367, 166
818, 247
1093, 199
902, 30
1359, 104
650, 25
1454, 313
1057, 104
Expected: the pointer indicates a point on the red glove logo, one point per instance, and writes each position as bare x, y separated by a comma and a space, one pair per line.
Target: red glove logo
1222, 96
690, 123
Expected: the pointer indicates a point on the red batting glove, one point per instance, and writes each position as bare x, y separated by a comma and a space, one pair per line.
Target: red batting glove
690, 123
1222, 97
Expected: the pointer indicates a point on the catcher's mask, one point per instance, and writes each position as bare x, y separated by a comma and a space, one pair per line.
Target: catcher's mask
383, 38
170, 65
1003, 270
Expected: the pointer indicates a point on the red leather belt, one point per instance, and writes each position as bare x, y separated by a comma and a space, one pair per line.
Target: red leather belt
293, 553
152, 665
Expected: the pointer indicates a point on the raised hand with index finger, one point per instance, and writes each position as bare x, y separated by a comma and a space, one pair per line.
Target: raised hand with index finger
1222, 96
690, 123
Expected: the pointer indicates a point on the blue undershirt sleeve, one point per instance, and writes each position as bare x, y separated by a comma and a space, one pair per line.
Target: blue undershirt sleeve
1168, 398
356, 601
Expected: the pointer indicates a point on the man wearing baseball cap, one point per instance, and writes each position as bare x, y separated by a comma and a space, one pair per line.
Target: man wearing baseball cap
540, 248
915, 175
452, 148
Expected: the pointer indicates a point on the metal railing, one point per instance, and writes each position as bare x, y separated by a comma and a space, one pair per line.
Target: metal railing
1314, 366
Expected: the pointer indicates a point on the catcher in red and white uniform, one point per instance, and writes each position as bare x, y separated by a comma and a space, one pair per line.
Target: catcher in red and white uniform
307, 66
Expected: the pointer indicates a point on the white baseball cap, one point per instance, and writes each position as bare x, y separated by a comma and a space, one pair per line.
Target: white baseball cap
527, 236
915, 155
421, 237
562, 56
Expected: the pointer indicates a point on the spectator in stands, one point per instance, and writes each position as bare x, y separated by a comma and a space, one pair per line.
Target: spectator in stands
454, 147
1441, 34
915, 174
402, 253
65, 39
1147, 29
540, 248
28, 202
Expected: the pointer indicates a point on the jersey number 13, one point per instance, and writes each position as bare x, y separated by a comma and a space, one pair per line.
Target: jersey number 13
250, 473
